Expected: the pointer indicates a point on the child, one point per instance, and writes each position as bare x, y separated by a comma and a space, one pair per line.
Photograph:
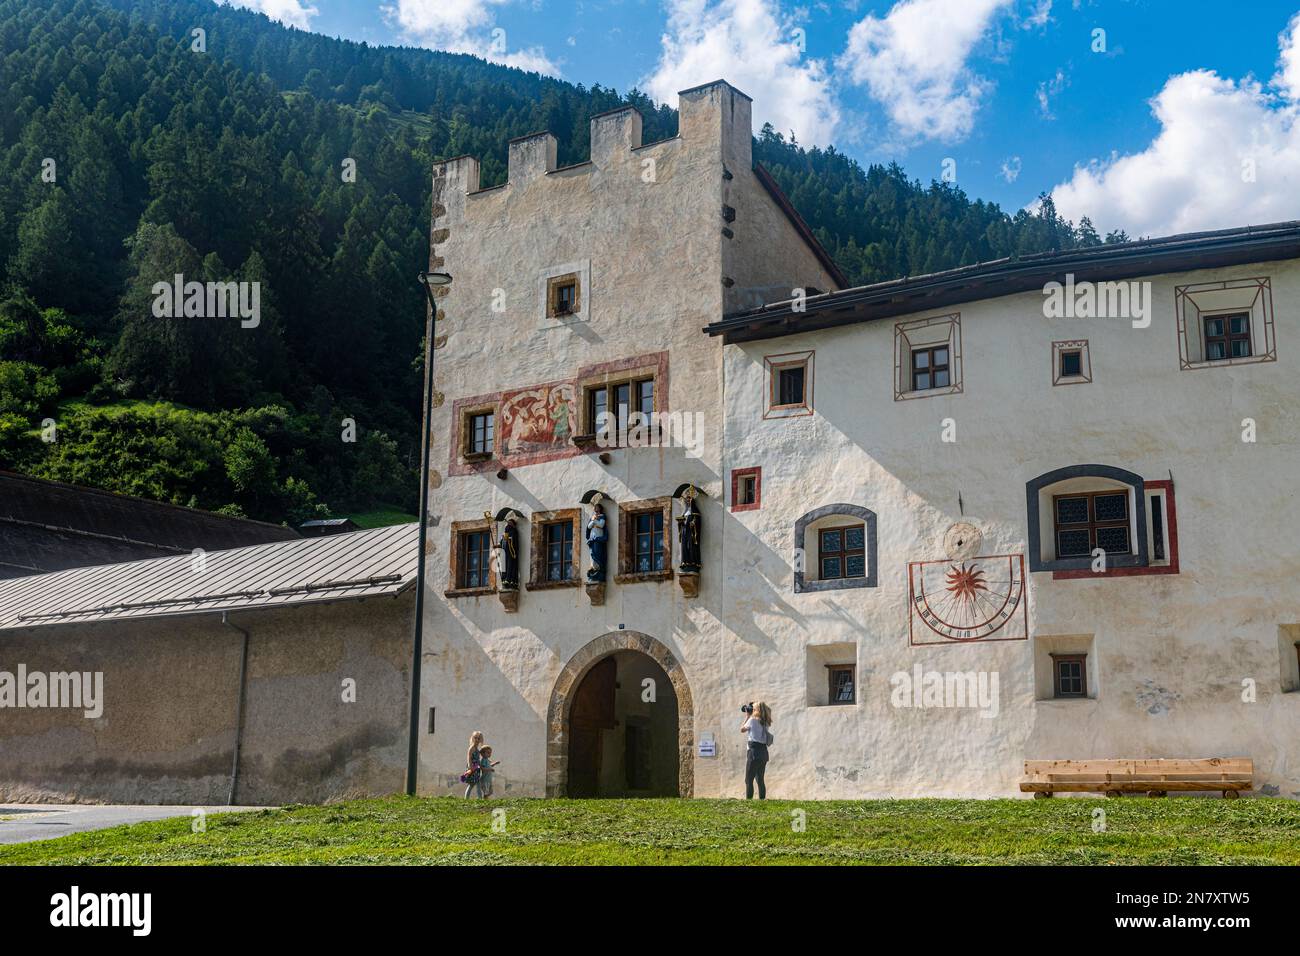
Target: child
485, 771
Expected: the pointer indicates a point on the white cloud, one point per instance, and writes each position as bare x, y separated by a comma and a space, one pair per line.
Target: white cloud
1011, 169
462, 26
292, 13
751, 45
1039, 17
1046, 90
914, 63
1227, 154
1288, 74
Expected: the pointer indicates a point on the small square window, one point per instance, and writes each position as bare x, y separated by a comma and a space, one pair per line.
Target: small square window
1227, 336
746, 489
930, 368
843, 687
563, 296
1070, 362
1070, 675
789, 384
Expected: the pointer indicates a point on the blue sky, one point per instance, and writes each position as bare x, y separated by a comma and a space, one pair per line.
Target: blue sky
1024, 95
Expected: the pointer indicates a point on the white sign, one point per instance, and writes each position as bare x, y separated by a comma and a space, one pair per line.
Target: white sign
707, 747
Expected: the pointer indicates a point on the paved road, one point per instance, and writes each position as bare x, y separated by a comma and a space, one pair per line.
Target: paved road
22, 822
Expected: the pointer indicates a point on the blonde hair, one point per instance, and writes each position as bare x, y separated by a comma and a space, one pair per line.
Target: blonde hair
763, 713
476, 738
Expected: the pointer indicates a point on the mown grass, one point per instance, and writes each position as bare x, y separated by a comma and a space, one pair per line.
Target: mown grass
447, 831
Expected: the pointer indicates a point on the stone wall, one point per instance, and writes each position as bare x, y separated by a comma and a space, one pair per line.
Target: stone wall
166, 733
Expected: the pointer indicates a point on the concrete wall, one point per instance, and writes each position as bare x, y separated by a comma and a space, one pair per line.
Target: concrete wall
167, 728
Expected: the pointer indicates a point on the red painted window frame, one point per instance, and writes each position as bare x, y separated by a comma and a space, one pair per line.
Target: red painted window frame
1171, 543
736, 475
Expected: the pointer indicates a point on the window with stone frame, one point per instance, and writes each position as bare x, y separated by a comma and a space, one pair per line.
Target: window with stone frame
563, 295
555, 549
645, 540
612, 408
472, 569
478, 433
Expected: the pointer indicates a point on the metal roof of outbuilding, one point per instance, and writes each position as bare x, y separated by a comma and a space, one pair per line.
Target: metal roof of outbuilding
306, 570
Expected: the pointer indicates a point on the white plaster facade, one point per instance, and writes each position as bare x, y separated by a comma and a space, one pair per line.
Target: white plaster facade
664, 256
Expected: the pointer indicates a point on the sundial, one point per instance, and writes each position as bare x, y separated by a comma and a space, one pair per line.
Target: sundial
968, 599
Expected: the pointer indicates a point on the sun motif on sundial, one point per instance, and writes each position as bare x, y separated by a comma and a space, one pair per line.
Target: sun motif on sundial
969, 600
966, 582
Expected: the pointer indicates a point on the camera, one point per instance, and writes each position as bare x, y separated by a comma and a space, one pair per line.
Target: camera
747, 708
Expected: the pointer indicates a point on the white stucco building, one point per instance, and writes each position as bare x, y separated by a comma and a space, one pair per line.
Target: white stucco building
948, 523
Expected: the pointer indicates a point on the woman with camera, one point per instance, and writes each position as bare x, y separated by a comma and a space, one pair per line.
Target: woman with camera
758, 719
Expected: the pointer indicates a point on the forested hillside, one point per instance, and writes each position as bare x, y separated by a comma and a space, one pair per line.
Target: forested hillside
126, 156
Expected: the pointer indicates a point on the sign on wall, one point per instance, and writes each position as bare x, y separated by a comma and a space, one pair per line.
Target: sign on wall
965, 601
707, 746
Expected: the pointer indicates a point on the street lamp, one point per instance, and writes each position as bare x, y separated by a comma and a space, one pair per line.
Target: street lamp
429, 280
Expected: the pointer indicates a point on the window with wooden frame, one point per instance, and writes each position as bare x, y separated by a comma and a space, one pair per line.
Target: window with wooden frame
1070, 675
1089, 520
746, 489
1227, 336
645, 540
927, 357
842, 686
789, 384
478, 433
1224, 323
930, 368
616, 407
563, 295
471, 562
555, 549
841, 552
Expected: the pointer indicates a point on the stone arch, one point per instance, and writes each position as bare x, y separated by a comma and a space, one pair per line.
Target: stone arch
557, 714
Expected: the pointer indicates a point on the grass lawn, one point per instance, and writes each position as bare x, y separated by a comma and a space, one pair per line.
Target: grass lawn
447, 830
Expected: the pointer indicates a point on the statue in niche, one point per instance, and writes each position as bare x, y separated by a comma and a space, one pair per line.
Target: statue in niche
508, 544
597, 541
688, 535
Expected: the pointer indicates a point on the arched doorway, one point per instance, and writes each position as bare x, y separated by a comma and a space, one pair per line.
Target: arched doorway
606, 737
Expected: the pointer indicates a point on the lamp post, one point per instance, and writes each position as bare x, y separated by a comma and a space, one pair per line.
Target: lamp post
429, 280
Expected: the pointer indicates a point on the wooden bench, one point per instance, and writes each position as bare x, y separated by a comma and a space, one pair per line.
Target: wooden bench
1155, 778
